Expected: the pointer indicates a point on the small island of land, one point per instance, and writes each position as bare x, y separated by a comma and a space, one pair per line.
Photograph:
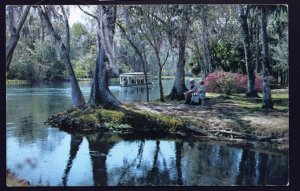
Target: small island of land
233, 119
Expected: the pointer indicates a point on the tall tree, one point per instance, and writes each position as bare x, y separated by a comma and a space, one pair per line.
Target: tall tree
14, 30
267, 100
77, 97
155, 34
251, 92
135, 39
179, 29
100, 93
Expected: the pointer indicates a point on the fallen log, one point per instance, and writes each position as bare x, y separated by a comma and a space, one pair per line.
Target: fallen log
246, 136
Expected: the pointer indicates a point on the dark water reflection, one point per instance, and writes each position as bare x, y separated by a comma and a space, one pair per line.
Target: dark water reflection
117, 161
48, 156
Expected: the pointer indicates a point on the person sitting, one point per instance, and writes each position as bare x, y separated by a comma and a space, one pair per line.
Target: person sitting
188, 94
199, 95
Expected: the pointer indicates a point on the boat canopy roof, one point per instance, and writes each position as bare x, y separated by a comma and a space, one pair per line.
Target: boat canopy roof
133, 74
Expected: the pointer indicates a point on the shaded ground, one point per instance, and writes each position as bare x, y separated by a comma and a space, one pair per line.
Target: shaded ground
231, 118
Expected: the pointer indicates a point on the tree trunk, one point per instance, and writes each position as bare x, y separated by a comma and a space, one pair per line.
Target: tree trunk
14, 33
258, 64
100, 93
77, 97
106, 30
251, 92
204, 68
207, 51
179, 84
95, 92
267, 100
140, 51
161, 90
144, 64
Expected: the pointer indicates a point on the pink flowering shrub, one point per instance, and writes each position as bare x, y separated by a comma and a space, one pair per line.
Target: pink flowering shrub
228, 82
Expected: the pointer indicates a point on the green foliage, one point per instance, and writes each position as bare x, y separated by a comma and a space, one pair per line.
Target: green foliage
228, 57
127, 119
89, 118
195, 65
78, 30
111, 116
278, 35
36, 59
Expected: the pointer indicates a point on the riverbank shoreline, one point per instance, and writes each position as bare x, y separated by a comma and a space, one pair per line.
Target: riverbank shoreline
233, 119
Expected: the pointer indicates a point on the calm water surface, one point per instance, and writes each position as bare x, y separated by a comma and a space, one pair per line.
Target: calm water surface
47, 156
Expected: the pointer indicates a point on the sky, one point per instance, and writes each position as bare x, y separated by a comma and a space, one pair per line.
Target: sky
76, 15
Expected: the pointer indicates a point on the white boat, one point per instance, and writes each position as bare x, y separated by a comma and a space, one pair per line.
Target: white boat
134, 79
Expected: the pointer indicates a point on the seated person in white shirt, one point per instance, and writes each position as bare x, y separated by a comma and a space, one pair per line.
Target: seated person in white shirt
199, 95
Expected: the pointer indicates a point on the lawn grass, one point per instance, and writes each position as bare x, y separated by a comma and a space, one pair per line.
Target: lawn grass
280, 100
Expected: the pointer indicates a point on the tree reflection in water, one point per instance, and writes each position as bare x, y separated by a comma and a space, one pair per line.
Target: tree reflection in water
117, 161
247, 168
76, 140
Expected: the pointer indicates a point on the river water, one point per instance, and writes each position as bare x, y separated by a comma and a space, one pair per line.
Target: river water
48, 156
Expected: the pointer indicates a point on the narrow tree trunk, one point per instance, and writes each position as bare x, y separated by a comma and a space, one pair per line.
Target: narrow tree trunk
204, 68
14, 32
286, 78
12, 44
144, 64
207, 52
267, 100
258, 64
140, 51
77, 97
251, 92
161, 90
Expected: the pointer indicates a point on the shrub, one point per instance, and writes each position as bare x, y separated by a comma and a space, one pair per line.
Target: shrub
228, 82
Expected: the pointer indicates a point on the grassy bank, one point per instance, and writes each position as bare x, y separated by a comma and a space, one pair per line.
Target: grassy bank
126, 120
17, 82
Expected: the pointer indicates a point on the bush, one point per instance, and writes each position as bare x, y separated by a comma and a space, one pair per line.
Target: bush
228, 83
